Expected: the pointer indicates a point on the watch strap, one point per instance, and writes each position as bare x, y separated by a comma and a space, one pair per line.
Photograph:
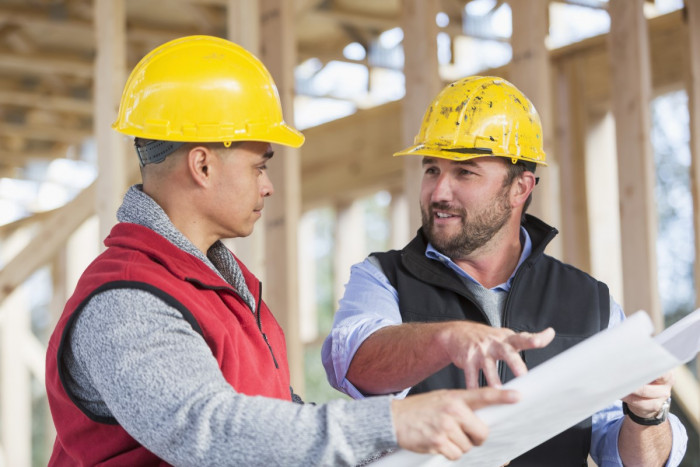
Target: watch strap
651, 421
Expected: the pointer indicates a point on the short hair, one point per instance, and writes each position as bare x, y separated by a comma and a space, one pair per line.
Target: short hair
516, 170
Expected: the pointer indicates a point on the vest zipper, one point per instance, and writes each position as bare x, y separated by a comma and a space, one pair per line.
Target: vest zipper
257, 315
504, 320
255, 312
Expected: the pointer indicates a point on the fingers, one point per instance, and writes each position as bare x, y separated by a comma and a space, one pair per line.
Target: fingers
443, 422
491, 373
528, 340
515, 363
647, 400
476, 347
666, 378
471, 374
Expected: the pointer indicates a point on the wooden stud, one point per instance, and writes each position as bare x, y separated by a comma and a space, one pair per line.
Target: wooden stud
530, 71
15, 396
283, 209
693, 86
243, 24
110, 76
308, 309
349, 244
603, 205
631, 81
570, 128
423, 83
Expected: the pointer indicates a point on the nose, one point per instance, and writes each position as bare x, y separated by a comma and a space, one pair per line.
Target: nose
266, 188
442, 191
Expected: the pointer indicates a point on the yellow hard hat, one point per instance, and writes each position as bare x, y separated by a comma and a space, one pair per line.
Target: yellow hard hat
479, 116
203, 89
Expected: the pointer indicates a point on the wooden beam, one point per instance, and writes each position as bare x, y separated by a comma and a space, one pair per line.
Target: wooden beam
20, 158
530, 71
282, 211
60, 64
15, 399
423, 83
350, 245
341, 16
110, 75
686, 393
70, 135
351, 157
693, 86
51, 236
243, 26
570, 127
631, 79
40, 19
46, 102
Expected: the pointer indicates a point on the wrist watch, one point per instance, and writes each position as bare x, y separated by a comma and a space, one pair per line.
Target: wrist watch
657, 419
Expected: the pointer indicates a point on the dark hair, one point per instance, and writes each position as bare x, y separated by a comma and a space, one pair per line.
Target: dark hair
515, 171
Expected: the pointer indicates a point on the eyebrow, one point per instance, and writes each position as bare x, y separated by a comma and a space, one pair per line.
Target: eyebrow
469, 162
268, 155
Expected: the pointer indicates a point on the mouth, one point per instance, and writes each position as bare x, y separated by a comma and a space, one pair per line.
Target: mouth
441, 215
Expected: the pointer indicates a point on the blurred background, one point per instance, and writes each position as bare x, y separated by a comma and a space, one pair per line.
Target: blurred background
617, 85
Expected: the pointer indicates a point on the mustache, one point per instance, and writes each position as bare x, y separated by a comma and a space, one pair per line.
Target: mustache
443, 206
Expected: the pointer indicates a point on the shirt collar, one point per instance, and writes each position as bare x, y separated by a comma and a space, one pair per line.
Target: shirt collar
433, 254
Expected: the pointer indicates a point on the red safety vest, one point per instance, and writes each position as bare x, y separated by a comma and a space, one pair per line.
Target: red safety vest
248, 344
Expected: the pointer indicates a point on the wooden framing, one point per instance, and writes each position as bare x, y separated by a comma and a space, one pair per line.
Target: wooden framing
246, 32
631, 80
282, 210
112, 179
422, 85
349, 158
570, 127
692, 398
530, 71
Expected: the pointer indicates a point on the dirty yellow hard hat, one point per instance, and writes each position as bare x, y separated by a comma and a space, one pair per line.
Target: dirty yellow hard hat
479, 116
203, 89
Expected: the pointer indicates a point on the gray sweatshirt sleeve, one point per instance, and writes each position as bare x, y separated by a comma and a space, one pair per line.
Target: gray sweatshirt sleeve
134, 357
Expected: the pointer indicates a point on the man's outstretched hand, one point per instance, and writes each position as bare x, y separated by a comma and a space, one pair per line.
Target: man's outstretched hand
443, 422
474, 346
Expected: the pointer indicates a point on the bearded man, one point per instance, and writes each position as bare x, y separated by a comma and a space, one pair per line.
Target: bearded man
473, 300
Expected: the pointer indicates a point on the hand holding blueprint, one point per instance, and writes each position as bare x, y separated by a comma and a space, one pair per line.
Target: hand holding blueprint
571, 387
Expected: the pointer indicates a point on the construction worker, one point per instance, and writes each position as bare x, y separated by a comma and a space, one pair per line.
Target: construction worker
475, 281
163, 352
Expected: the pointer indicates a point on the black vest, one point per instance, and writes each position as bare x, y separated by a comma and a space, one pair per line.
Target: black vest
544, 292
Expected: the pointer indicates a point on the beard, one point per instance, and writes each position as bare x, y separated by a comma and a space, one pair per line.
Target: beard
478, 227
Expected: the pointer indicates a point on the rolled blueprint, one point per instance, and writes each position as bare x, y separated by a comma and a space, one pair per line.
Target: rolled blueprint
571, 387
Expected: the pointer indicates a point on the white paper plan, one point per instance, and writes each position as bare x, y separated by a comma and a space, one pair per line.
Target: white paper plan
571, 387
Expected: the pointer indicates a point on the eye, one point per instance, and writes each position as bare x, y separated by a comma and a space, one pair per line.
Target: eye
464, 172
431, 170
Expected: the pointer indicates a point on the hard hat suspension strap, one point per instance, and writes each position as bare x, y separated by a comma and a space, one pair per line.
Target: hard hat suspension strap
155, 151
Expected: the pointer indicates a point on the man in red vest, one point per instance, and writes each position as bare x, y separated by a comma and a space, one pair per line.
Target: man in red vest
164, 350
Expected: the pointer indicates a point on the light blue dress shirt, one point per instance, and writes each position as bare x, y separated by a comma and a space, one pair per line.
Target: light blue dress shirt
370, 303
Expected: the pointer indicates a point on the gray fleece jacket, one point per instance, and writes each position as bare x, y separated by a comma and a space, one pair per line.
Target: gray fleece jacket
177, 403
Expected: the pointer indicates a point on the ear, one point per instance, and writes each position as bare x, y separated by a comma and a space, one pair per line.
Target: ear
199, 161
522, 187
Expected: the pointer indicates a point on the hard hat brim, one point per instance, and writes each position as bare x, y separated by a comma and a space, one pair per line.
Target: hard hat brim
456, 155
286, 136
278, 134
